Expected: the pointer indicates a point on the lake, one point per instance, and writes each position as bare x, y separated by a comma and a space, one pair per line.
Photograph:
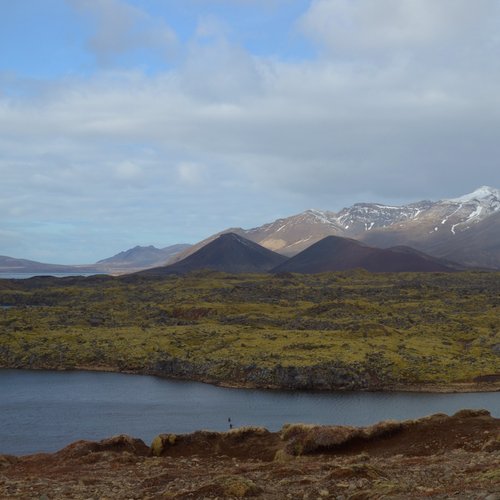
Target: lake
24, 276
46, 410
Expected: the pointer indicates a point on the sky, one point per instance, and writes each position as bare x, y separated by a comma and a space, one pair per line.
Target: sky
137, 122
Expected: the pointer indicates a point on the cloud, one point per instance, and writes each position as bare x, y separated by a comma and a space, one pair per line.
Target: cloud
128, 170
227, 138
364, 26
191, 174
316, 129
120, 28
219, 71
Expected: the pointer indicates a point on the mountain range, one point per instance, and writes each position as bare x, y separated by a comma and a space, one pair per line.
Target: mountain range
11, 265
464, 230
134, 259
233, 253
140, 258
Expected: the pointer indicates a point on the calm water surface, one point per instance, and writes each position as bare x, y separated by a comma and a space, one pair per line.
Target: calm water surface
45, 411
24, 276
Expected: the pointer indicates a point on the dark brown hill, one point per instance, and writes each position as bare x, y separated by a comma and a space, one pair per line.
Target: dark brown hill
229, 253
334, 253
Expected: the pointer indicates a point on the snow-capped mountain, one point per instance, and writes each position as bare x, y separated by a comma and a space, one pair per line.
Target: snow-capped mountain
471, 208
453, 215
363, 217
485, 195
464, 229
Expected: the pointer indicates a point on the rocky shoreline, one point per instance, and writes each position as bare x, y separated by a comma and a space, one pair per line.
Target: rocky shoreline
311, 385
434, 457
290, 378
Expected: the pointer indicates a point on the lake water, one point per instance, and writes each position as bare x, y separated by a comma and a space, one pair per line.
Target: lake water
45, 411
23, 276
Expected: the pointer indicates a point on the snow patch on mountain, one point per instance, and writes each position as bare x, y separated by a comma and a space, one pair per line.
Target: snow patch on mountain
322, 216
471, 208
482, 194
368, 216
456, 214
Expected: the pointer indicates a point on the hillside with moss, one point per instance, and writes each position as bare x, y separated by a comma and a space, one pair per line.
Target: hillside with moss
351, 330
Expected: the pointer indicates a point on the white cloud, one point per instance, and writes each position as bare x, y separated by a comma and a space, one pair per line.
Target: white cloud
191, 174
358, 26
127, 171
227, 138
309, 128
219, 71
211, 27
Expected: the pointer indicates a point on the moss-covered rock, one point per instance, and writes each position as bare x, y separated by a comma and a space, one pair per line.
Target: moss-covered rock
161, 443
344, 331
238, 486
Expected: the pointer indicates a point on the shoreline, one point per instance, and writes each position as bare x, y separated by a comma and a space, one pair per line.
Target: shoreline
450, 388
437, 456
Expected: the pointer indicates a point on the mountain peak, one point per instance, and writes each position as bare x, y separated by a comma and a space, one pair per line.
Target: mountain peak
229, 252
140, 257
443, 228
232, 236
481, 193
321, 216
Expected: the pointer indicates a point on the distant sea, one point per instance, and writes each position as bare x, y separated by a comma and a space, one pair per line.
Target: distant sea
22, 276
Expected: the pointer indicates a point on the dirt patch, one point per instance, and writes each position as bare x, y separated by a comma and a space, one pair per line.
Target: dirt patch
244, 443
427, 436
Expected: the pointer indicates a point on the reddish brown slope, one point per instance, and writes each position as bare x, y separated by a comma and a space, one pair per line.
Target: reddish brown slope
435, 457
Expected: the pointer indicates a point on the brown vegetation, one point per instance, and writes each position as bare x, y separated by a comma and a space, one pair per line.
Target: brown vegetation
435, 457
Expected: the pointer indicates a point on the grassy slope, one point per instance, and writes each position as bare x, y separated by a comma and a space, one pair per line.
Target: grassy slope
379, 329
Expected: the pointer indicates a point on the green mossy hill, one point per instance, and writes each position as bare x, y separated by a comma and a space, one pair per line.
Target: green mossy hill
351, 330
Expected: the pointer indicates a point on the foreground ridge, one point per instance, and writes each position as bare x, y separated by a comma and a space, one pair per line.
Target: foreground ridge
433, 457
